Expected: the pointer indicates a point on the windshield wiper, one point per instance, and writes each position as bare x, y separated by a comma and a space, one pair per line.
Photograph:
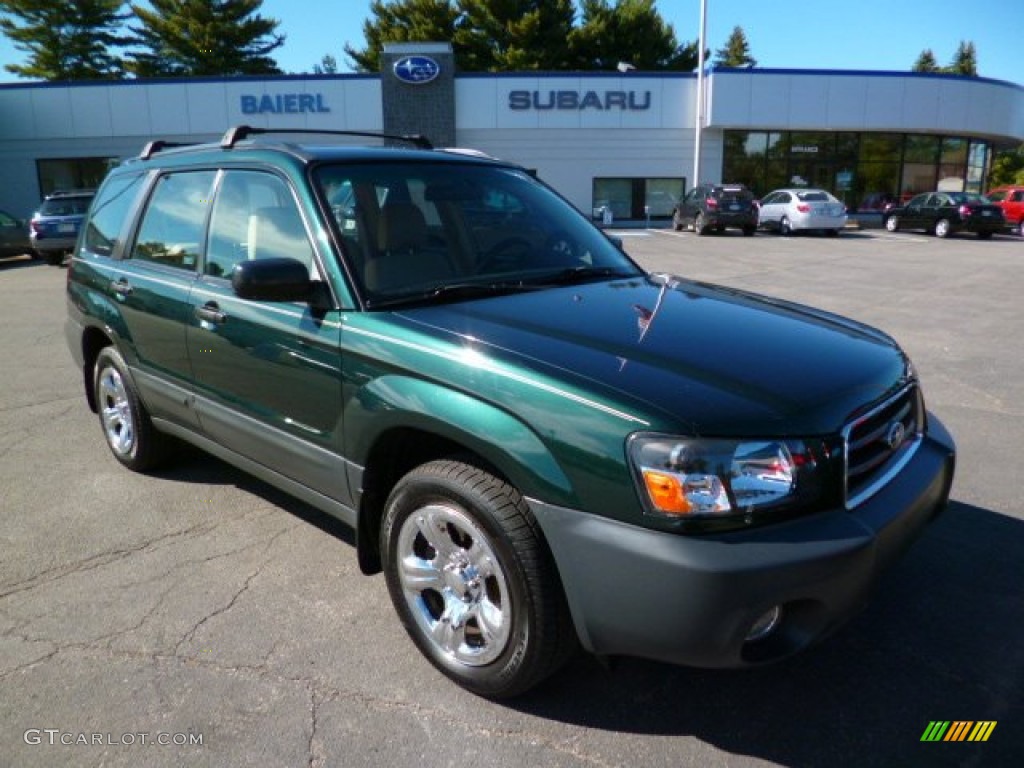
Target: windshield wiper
582, 274
452, 291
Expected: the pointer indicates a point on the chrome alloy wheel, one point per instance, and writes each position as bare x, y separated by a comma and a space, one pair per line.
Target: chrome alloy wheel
116, 412
454, 585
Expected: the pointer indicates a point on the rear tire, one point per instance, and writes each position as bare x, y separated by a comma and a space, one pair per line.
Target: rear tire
892, 223
54, 258
472, 579
126, 424
677, 222
942, 228
700, 225
749, 231
784, 228
984, 235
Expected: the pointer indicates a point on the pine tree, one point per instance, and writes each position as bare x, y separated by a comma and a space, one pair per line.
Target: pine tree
65, 39
736, 52
399, 21
203, 37
504, 35
965, 61
631, 31
328, 66
926, 62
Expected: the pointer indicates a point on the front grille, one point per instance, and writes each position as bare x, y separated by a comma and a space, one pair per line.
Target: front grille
880, 442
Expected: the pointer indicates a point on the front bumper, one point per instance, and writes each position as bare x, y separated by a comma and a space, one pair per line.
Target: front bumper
693, 599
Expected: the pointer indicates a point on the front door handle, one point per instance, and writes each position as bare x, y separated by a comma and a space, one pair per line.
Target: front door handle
211, 313
121, 287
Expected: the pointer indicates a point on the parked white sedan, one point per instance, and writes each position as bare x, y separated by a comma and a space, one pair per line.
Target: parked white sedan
795, 210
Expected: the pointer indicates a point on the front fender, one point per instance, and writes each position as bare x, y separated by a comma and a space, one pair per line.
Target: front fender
402, 402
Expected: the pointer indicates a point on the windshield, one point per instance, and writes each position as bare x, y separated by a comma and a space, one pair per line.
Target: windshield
422, 231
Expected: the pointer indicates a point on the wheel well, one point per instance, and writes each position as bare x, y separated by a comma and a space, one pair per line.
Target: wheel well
395, 453
93, 340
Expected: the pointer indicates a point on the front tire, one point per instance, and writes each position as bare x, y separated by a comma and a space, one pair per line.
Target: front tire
677, 222
127, 428
892, 223
472, 580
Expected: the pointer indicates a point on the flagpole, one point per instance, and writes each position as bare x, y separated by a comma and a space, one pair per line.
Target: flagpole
699, 120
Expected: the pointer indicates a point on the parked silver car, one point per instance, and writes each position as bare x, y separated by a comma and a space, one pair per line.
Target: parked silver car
791, 210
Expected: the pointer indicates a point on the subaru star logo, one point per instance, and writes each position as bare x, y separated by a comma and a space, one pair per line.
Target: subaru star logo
416, 69
894, 435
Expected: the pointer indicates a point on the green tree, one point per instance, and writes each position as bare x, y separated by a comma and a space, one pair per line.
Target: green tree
203, 37
965, 61
1007, 167
400, 21
736, 52
630, 31
65, 40
926, 62
503, 35
328, 66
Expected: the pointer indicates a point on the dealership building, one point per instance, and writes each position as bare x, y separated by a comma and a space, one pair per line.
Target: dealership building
623, 141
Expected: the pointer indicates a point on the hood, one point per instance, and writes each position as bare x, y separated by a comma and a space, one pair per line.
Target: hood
685, 355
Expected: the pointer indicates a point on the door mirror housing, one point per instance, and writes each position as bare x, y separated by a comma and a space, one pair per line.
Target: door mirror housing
276, 279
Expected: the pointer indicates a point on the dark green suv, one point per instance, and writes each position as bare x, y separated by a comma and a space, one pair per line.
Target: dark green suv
541, 445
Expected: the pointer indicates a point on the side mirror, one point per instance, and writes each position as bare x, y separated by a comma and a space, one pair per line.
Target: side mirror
616, 241
275, 279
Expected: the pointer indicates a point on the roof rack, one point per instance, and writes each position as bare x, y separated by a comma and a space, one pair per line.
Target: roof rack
239, 132
159, 145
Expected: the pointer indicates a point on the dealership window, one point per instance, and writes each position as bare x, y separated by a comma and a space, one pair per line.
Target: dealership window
637, 198
978, 158
72, 173
920, 158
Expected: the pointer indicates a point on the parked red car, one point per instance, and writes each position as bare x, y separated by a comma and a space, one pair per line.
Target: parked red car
1011, 200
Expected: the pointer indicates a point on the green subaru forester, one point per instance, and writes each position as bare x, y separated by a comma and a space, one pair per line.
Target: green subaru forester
541, 445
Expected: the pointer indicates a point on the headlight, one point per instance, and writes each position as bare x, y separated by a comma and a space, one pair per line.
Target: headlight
702, 479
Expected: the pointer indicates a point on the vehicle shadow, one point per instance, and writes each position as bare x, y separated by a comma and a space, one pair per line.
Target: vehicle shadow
19, 262
191, 465
941, 640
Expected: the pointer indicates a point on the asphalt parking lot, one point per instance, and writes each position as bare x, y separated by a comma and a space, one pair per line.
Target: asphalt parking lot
203, 609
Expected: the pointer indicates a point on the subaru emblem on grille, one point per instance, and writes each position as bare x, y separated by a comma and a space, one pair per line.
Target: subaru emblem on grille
894, 435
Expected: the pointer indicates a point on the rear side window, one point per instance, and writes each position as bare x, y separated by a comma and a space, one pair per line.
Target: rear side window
172, 226
113, 203
999, 196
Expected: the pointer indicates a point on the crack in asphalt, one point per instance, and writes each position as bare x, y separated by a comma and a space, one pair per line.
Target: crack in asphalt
191, 633
101, 559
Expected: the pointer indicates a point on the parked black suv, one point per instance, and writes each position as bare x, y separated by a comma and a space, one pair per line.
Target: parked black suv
539, 443
715, 207
53, 228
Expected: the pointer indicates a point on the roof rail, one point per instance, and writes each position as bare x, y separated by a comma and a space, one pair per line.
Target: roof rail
239, 132
159, 145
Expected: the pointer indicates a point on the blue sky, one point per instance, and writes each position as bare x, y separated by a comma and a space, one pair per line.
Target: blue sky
800, 34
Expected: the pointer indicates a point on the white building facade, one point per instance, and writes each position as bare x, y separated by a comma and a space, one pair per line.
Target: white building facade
621, 141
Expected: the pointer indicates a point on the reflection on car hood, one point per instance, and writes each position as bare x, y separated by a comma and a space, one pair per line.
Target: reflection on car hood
686, 354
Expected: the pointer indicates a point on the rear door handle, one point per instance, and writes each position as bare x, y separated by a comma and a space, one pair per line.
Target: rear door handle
211, 313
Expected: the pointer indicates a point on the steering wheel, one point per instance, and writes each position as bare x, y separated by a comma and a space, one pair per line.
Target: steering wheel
505, 255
